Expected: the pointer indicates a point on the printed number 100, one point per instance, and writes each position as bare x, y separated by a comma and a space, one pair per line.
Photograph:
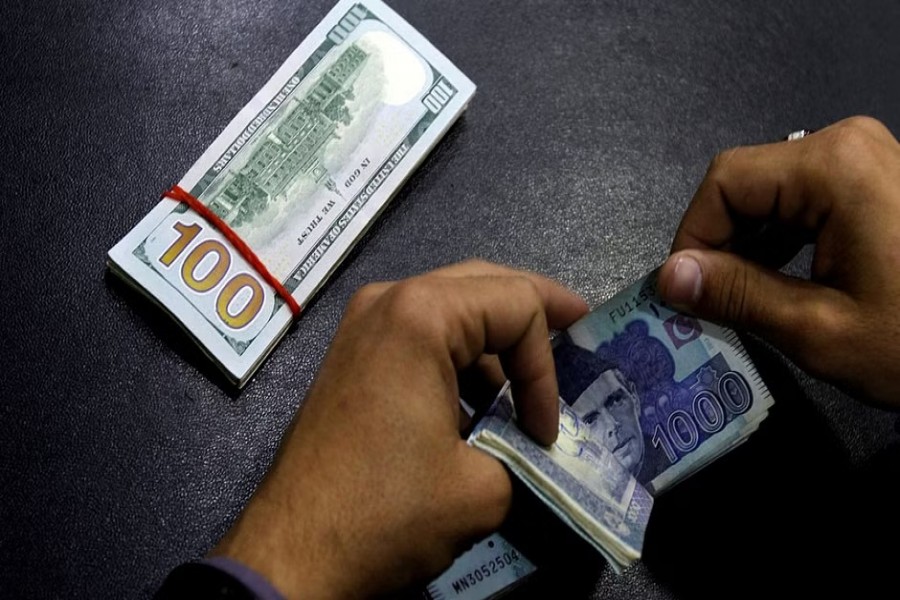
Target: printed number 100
209, 278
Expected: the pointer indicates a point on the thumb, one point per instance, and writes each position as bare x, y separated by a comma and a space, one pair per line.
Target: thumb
485, 492
798, 316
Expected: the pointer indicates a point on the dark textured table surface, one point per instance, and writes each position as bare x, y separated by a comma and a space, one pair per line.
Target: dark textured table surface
122, 454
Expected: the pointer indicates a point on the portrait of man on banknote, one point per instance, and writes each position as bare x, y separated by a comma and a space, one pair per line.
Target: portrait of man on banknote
610, 408
606, 404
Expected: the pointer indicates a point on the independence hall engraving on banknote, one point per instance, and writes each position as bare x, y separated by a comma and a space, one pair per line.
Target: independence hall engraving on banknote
294, 148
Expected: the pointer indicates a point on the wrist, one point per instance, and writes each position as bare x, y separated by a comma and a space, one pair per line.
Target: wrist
284, 547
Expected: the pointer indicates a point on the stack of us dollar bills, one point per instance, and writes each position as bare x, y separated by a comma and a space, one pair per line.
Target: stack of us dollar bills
299, 174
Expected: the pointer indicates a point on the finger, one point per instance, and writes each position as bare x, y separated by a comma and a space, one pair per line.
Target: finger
563, 306
798, 316
367, 295
474, 267
506, 316
798, 183
758, 183
485, 489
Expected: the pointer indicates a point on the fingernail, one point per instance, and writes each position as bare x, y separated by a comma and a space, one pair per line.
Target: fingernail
687, 282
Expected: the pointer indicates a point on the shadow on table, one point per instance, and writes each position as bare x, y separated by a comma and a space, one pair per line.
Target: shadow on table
168, 330
784, 512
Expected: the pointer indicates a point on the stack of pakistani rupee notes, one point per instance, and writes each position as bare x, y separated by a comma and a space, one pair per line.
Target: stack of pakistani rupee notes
648, 397
299, 174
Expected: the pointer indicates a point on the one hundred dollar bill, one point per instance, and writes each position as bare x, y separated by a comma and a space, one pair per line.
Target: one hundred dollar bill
648, 397
300, 174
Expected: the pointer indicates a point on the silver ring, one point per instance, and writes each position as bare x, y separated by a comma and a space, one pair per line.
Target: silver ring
797, 135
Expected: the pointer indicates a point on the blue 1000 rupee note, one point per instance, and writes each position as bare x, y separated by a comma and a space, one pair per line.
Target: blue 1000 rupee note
663, 391
577, 477
648, 396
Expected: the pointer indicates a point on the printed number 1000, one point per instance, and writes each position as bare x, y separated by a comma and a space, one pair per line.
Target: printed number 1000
710, 414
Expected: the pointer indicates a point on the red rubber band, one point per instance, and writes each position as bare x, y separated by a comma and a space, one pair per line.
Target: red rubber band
178, 193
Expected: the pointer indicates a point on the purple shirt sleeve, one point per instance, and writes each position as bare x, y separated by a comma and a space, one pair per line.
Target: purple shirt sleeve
253, 581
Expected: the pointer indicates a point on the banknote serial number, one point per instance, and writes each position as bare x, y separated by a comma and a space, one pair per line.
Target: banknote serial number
710, 411
629, 305
357, 172
485, 571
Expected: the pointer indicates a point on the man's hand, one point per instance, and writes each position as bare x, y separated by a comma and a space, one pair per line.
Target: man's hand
839, 188
373, 487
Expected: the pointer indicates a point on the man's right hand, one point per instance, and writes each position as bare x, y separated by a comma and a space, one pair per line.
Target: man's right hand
838, 188
373, 488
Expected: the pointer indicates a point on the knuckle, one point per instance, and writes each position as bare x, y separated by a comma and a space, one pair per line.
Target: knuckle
719, 164
851, 145
527, 289
363, 298
821, 336
719, 172
476, 262
731, 294
527, 292
871, 126
411, 304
